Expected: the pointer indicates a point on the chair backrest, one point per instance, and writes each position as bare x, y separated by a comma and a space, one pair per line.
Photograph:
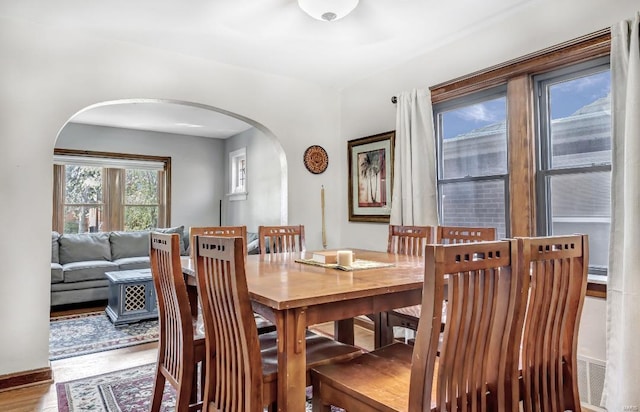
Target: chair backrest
477, 365
174, 311
234, 365
558, 266
409, 240
458, 234
220, 231
281, 239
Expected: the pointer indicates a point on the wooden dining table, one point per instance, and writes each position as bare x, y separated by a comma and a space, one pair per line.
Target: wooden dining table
296, 295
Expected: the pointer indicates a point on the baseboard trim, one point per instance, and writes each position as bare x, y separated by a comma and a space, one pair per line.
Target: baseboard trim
26, 378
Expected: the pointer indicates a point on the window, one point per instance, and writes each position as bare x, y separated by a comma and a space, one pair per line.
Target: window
238, 174
574, 156
472, 160
557, 142
83, 205
96, 192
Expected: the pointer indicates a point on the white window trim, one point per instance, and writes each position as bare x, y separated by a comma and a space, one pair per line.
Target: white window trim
236, 193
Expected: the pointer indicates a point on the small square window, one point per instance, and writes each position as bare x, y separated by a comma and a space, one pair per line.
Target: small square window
238, 174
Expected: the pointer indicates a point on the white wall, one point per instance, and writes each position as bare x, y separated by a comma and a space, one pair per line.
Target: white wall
197, 182
366, 106
264, 182
49, 74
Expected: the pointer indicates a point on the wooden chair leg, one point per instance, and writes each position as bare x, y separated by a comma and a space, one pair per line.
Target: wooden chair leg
158, 391
316, 402
183, 398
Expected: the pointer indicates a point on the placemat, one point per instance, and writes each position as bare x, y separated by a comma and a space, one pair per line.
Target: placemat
358, 264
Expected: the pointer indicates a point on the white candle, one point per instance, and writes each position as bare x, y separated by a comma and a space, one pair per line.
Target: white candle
324, 230
345, 258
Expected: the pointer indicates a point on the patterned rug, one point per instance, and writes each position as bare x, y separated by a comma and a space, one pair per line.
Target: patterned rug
127, 390
82, 334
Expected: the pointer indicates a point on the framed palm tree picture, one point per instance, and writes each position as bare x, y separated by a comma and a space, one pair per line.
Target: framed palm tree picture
370, 177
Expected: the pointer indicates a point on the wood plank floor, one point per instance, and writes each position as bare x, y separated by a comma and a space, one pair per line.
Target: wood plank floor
43, 397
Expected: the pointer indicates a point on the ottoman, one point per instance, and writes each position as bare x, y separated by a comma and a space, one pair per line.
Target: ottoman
132, 296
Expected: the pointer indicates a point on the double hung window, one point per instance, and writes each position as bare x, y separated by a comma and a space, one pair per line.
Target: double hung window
472, 160
525, 146
574, 155
103, 192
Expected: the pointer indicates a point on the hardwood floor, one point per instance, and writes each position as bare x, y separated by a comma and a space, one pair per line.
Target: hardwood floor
43, 398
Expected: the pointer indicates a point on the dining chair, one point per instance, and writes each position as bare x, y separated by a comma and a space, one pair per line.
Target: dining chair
281, 239
223, 231
241, 374
407, 317
473, 367
461, 234
180, 348
558, 267
402, 240
409, 240
263, 325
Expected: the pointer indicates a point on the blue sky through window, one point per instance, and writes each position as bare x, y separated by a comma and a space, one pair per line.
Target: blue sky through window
465, 119
567, 97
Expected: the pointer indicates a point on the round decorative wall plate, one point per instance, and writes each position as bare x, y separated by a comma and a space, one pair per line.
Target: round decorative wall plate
316, 159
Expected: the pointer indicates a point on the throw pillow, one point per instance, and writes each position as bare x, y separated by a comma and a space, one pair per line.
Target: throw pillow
179, 230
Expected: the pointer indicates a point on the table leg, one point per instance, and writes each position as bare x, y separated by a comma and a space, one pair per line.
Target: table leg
292, 361
343, 331
192, 292
383, 334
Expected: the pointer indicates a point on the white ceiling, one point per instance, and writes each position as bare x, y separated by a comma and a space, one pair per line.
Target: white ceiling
164, 117
273, 36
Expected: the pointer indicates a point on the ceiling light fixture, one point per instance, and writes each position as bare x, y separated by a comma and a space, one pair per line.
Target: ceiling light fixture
327, 10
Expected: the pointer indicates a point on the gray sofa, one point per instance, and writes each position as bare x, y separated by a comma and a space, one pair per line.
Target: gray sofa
79, 261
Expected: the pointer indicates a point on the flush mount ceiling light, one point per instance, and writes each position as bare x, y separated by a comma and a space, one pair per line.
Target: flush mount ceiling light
328, 10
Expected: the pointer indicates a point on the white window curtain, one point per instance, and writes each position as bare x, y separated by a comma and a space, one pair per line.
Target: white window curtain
414, 200
623, 288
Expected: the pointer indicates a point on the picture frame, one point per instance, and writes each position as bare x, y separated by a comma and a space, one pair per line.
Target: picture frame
370, 181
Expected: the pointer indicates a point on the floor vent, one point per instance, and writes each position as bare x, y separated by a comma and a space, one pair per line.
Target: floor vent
591, 382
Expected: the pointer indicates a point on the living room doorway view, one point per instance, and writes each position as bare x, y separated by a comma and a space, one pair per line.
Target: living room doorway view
122, 169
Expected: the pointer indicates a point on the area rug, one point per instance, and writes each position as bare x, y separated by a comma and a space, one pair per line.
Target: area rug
82, 334
127, 390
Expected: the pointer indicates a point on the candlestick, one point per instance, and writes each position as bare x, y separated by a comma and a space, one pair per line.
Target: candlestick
324, 228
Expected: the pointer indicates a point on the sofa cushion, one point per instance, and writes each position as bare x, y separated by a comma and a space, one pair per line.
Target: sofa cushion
55, 247
84, 246
179, 230
129, 244
57, 274
130, 263
87, 270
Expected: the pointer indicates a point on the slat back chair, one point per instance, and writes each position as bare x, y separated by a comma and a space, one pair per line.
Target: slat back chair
408, 317
179, 352
242, 367
263, 325
558, 267
221, 231
473, 368
234, 378
459, 234
479, 352
281, 239
403, 240
409, 240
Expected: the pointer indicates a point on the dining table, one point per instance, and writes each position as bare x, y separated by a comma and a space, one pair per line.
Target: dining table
294, 293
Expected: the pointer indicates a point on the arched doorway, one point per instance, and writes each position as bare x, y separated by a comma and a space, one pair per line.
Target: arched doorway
199, 139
